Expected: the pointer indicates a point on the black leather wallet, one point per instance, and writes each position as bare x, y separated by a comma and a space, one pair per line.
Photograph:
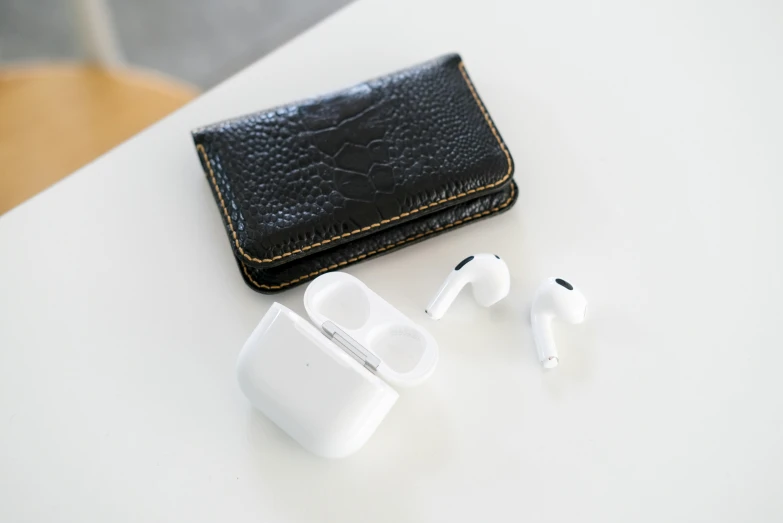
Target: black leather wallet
324, 183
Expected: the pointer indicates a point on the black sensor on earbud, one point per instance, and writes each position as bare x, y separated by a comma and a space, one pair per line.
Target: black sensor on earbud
463, 262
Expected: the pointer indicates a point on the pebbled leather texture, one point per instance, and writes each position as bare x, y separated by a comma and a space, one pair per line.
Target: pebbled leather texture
310, 186
281, 277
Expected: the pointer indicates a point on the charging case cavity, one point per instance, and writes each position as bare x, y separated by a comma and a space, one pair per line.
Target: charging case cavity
328, 384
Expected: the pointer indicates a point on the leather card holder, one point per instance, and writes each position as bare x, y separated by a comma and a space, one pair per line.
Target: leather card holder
327, 182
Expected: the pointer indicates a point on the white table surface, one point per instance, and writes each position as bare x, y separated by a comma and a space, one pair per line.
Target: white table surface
647, 141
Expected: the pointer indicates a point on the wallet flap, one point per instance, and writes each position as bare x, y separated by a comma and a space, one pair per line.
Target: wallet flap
309, 176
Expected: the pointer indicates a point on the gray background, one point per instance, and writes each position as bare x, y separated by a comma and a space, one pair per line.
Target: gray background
199, 41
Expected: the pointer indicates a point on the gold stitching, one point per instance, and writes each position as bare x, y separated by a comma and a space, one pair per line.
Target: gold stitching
381, 249
461, 66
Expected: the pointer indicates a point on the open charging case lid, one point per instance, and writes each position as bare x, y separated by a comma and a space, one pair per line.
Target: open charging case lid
371, 330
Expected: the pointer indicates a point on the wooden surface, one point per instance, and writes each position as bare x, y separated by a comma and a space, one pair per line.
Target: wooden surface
57, 118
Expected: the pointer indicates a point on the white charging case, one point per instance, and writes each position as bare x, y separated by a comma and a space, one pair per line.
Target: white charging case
329, 386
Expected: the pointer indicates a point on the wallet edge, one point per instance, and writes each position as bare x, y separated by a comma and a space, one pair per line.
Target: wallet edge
275, 288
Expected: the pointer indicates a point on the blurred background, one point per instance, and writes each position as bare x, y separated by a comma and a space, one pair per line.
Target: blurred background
82, 76
198, 41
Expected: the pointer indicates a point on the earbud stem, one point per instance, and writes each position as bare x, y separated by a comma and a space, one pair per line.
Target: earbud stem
444, 297
545, 343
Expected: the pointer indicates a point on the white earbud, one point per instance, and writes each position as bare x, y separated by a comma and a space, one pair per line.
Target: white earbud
487, 274
555, 298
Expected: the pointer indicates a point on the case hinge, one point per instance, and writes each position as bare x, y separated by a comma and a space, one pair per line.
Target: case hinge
351, 346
